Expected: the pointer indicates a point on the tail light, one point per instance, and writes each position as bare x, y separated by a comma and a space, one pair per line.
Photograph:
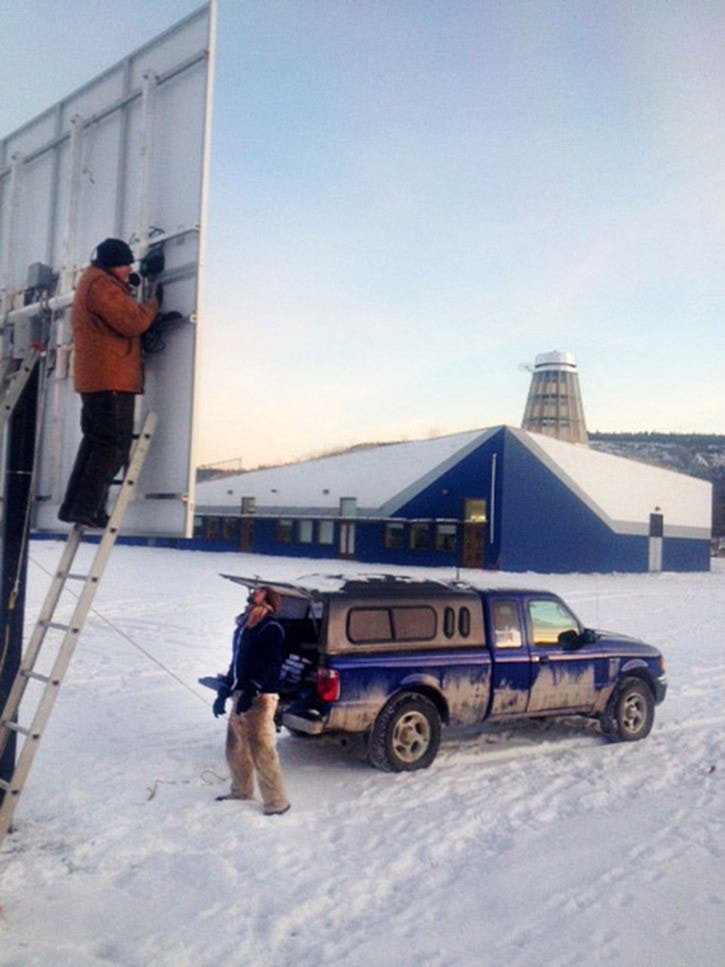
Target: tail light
327, 684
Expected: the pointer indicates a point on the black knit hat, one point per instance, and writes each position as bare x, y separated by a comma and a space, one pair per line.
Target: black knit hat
113, 252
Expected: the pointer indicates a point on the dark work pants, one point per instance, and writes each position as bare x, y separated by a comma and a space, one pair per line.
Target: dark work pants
107, 427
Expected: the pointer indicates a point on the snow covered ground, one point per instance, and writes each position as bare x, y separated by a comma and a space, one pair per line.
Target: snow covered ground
526, 845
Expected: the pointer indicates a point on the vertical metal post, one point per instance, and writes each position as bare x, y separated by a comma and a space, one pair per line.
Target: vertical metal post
13, 207
16, 520
70, 235
122, 168
61, 335
204, 201
150, 81
54, 187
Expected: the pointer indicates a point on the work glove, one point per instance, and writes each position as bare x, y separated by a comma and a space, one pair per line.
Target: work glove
246, 697
223, 692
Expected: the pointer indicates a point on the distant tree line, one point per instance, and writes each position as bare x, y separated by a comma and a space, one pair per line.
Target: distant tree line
649, 436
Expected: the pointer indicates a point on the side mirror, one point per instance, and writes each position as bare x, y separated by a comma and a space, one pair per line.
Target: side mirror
588, 636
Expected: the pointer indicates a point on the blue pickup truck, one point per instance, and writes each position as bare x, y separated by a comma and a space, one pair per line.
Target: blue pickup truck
388, 661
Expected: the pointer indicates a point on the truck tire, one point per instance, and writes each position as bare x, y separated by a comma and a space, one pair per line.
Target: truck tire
630, 712
406, 734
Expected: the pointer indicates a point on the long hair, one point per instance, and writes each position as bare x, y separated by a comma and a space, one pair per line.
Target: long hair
271, 598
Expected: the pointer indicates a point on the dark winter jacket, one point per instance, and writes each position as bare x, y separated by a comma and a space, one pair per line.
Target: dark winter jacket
257, 656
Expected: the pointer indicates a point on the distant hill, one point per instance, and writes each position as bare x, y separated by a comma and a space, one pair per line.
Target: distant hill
699, 455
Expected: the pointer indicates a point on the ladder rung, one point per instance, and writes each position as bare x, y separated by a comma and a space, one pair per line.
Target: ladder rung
20, 729
39, 678
57, 626
6, 786
79, 577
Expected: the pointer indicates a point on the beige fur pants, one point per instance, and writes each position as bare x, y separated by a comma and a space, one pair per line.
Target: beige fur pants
252, 745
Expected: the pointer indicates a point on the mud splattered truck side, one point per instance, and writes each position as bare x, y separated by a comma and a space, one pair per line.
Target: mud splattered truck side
388, 661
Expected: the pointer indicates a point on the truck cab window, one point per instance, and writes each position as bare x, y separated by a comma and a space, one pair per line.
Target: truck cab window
549, 619
506, 624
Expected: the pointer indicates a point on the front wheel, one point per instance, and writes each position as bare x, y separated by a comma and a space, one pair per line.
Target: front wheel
406, 735
630, 713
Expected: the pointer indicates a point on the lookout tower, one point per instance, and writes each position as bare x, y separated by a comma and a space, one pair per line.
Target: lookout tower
554, 405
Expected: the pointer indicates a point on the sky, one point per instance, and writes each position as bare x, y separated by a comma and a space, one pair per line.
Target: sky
410, 200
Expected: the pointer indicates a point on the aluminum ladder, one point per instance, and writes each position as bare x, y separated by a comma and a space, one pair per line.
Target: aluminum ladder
32, 734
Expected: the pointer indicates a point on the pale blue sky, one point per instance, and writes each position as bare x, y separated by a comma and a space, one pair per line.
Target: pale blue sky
409, 199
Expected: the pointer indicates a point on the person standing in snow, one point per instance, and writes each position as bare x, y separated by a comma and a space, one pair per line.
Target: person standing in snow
107, 325
253, 684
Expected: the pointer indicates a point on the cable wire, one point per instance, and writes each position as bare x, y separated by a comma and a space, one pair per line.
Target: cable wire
129, 639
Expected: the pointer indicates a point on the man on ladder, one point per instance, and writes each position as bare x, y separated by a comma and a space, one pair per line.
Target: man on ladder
107, 371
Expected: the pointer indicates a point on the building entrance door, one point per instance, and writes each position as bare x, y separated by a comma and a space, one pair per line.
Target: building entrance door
473, 541
246, 534
347, 539
474, 532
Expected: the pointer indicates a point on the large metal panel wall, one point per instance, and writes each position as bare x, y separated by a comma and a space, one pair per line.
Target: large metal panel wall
126, 156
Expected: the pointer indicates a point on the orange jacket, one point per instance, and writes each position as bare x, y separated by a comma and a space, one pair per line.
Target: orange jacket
107, 323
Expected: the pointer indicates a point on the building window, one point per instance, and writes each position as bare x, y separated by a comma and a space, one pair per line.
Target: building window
284, 531
304, 531
211, 528
326, 532
228, 528
394, 536
475, 510
419, 536
449, 622
445, 537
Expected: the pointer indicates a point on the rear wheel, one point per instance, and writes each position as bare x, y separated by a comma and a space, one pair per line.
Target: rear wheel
406, 735
630, 713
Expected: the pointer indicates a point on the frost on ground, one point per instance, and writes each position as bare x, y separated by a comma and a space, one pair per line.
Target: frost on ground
529, 844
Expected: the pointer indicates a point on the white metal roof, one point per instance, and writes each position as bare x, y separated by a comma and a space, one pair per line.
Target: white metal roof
621, 491
379, 477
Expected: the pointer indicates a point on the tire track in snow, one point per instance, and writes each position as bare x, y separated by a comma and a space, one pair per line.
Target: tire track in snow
488, 813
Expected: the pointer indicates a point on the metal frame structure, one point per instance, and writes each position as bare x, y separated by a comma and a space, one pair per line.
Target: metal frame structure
125, 155
154, 150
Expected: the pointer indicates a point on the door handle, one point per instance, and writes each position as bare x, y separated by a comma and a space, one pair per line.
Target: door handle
545, 659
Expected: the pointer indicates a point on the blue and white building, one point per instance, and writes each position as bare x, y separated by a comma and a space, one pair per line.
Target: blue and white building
493, 498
